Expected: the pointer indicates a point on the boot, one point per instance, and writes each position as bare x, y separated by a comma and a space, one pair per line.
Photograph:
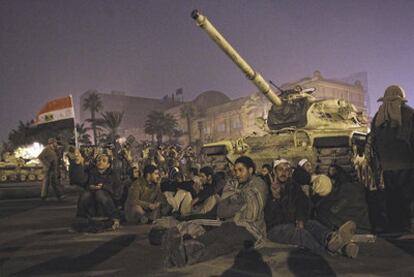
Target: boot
341, 237
350, 250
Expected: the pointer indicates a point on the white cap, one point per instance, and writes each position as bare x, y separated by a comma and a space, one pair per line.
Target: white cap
280, 161
302, 162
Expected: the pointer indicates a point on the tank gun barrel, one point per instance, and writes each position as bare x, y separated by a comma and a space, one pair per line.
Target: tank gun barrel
250, 73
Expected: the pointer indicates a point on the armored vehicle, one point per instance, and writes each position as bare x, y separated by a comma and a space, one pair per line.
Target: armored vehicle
298, 126
14, 169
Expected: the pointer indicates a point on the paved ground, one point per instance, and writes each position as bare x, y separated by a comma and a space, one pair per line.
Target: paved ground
35, 240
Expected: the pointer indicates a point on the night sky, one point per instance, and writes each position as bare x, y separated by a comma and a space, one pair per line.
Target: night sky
51, 49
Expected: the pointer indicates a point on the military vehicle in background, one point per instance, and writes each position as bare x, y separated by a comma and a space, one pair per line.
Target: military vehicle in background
298, 125
16, 169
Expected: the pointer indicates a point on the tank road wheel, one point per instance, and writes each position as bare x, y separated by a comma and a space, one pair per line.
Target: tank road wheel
3, 178
22, 177
32, 177
40, 177
13, 177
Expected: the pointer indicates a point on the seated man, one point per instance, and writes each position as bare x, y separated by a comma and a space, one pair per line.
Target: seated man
286, 215
179, 202
101, 186
205, 198
144, 200
346, 201
244, 211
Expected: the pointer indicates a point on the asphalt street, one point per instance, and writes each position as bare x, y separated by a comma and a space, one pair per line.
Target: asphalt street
36, 240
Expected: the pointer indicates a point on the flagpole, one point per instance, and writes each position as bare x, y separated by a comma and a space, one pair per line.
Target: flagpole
74, 120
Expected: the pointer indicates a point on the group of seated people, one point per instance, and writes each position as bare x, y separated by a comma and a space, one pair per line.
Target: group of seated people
281, 204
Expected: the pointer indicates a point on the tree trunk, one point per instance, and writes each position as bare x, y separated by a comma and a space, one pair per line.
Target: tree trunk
159, 139
94, 128
189, 130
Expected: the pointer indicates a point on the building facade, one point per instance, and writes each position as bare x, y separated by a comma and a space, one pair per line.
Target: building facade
216, 116
135, 110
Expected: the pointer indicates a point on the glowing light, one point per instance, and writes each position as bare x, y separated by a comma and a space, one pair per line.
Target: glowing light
29, 152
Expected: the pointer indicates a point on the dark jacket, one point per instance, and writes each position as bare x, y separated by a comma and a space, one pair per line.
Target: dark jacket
86, 176
207, 191
395, 146
290, 207
345, 202
173, 186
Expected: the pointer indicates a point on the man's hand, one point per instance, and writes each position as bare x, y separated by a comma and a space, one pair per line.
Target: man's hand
300, 224
197, 186
154, 206
275, 189
96, 187
78, 157
194, 201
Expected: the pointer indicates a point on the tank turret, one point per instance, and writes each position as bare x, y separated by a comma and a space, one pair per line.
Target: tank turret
325, 131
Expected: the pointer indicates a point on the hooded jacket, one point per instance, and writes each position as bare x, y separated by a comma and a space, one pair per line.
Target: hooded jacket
394, 146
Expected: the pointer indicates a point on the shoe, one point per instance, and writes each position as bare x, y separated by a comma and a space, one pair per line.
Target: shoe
193, 250
174, 252
341, 237
350, 250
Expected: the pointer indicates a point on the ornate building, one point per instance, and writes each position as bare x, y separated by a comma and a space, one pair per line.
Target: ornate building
342, 89
239, 117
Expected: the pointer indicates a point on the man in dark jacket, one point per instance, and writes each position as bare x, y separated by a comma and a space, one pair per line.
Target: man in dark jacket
286, 215
346, 201
101, 187
392, 134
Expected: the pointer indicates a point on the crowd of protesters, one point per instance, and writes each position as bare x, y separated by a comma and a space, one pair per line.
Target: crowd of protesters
200, 212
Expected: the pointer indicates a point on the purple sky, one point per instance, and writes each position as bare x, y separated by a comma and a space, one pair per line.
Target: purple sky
148, 48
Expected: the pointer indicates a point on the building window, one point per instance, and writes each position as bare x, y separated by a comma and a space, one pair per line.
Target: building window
236, 123
221, 127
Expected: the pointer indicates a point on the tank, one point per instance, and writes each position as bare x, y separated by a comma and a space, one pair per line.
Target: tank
14, 169
298, 125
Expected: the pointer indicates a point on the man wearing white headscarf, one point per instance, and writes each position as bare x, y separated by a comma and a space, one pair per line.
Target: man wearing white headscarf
392, 133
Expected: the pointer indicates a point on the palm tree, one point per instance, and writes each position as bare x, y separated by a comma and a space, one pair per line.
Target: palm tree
187, 111
22, 135
83, 136
159, 124
111, 122
94, 104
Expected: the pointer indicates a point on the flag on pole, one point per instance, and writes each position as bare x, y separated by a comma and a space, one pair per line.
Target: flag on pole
57, 114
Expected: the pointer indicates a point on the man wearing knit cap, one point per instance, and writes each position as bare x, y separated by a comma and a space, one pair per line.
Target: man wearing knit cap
392, 133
